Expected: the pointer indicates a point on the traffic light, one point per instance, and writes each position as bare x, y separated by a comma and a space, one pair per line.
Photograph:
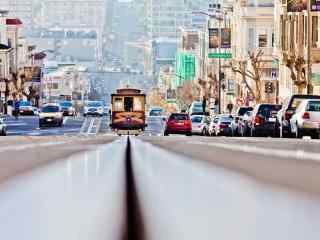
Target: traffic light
222, 76
269, 88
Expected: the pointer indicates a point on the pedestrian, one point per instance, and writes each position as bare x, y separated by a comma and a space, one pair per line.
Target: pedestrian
16, 109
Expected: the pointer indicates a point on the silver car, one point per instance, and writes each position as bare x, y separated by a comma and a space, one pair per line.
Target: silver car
200, 124
306, 120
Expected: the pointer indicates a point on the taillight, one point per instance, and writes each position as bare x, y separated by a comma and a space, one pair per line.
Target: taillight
223, 125
306, 115
187, 123
257, 120
287, 116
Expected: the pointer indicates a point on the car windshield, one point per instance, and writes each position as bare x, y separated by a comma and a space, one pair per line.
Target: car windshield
268, 110
196, 119
50, 109
156, 112
25, 104
226, 119
313, 106
179, 117
242, 111
94, 104
66, 104
295, 102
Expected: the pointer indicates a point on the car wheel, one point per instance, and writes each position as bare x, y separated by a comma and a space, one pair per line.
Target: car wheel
166, 133
203, 132
299, 133
4, 132
189, 134
253, 133
84, 115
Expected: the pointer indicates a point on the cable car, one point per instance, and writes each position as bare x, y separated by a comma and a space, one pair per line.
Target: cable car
128, 111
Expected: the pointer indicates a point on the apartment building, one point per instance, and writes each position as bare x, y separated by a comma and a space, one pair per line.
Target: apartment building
22, 9
76, 15
252, 24
299, 65
164, 18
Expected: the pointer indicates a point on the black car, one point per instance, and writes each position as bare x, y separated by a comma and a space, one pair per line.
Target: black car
263, 120
288, 110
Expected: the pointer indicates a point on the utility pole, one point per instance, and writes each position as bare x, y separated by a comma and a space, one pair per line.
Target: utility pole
309, 58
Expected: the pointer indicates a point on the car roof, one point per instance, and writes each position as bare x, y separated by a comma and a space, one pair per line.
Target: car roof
51, 105
178, 114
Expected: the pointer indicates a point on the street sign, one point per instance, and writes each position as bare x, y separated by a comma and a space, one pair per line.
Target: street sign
220, 55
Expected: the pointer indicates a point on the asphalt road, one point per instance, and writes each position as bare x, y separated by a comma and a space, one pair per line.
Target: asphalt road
29, 126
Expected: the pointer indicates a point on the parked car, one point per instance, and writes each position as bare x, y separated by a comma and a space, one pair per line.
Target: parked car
155, 112
212, 125
237, 120
178, 123
200, 124
51, 115
221, 125
25, 108
36, 111
3, 128
243, 129
263, 120
306, 120
93, 108
196, 109
288, 110
67, 108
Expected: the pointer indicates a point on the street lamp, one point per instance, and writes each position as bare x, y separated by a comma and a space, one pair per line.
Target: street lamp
219, 18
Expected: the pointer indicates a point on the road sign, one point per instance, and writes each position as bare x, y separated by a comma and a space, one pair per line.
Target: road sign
220, 55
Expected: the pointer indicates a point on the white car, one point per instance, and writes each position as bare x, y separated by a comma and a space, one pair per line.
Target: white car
3, 128
200, 124
306, 120
51, 114
93, 108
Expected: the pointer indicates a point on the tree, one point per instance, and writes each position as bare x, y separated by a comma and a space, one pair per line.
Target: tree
253, 73
296, 65
188, 93
19, 87
210, 88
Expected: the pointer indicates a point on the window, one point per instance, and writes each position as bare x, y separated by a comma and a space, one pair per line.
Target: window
314, 33
272, 40
263, 40
314, 106
252, 39
137, 104
291, 36
306, 31
118, 106
128, 104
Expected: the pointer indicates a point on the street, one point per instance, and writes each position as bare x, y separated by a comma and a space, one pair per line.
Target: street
70, 185
29, 126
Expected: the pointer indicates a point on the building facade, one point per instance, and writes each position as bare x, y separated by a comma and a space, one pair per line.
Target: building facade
298, 48
21, 9
252, 24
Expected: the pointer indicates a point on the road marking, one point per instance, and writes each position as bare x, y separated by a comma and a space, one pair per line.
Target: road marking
91, 126
295, 154
82, 129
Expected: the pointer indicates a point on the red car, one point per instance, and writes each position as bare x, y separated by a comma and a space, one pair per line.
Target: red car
178, 123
